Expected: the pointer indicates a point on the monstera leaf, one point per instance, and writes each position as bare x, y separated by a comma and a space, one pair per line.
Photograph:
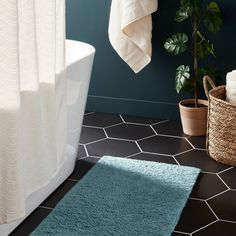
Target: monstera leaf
213, 20
190, 6
187, 6
176, 44
181, 15
204, 47
182, 77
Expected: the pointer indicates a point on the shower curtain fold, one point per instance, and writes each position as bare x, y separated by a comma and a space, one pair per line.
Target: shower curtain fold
32, 99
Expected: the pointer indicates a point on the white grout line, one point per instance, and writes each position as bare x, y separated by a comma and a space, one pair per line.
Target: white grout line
74, 180
138, 124
178, 154
160, 154
228, 221
180, 232
86, 151
217, 195
122, 139
204, 227
176, 161
78, 159
48, 208
200, 149
212, 210
222, 181
225, 170
104, 130
92, 127
155, 132
110, 126
197, 199
189, 143
208, 172
122, 118
160, 122
92, 112
133, 154
170, 136
95, 141
140, 149
151, 136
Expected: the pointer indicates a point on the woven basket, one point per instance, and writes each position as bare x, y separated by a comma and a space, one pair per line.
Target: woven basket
221, 129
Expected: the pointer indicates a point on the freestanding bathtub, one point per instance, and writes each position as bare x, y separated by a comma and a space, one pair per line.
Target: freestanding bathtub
79, 61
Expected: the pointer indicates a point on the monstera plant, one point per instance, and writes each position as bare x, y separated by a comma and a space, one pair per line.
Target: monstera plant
201, 14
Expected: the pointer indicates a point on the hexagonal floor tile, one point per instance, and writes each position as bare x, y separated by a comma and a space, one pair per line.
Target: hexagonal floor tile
89, 134
140, 120
58, 194
112, 147
164, 145
81, 152
195, 215
173, 128
129, 131
101, 119
31, 222
198, 142
154, 157
207, 186
229, 177
200, 159
178, 234
82, 166
224, 205
218, 229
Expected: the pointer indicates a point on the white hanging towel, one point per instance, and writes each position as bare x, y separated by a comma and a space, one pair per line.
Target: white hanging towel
32, 109
130, 31
231, 87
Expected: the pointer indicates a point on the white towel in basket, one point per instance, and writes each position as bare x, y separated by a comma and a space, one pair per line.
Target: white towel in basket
231, 87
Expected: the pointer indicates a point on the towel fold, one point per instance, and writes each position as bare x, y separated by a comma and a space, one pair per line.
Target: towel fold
130, 31
231, 87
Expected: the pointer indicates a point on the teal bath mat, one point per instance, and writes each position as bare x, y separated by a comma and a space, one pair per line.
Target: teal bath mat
123, 197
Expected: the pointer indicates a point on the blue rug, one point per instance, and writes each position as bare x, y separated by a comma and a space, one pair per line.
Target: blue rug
123, 197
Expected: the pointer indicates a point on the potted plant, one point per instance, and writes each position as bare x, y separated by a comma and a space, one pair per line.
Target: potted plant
189, 77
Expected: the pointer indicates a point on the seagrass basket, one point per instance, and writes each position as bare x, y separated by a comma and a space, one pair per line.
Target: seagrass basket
221, 127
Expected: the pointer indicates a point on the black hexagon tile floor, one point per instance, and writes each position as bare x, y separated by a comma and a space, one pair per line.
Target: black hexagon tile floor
219, 228
211, 208
113, 147
157, 144
101, 119
195, 215
208, 185
224, 205
172, 128
229, 177
129, 131
140, 120
199, 159
90, 134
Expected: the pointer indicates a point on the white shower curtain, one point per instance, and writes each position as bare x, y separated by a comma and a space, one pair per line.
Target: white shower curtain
32, 99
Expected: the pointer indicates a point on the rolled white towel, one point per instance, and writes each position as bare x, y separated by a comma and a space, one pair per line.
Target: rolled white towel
231, 87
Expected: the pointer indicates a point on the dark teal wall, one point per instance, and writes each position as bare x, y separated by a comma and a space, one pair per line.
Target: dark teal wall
114, 87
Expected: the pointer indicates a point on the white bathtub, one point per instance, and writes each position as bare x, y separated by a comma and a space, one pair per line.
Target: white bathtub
79, 61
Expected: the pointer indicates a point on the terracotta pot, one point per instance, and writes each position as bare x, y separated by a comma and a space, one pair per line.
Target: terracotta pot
194, 119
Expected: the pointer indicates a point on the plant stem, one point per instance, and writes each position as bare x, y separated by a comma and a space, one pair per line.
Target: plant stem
195, 59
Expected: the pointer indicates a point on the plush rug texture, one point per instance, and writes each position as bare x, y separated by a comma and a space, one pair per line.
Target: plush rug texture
123, 197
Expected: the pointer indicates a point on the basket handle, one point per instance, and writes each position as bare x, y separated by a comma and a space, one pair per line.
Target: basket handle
207, 79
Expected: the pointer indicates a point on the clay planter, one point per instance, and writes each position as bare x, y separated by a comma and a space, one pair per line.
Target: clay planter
194, 120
